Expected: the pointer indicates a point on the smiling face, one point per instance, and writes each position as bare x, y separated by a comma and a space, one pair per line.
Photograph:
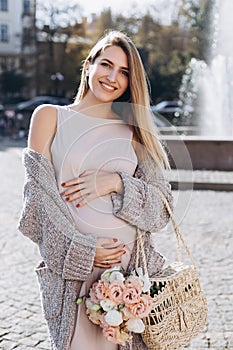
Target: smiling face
108, 75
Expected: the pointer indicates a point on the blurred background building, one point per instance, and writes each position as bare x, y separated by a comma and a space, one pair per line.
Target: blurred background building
17, 47
43, 45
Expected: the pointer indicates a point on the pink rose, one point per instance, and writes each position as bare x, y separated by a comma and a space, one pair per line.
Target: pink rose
99, 291
134, 283
111, 333
131, 294
114, 335
141, 308
115, 292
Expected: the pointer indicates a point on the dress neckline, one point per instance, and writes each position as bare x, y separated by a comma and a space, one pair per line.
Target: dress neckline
94, 118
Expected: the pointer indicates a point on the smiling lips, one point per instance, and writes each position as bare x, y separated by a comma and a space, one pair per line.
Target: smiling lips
107, 87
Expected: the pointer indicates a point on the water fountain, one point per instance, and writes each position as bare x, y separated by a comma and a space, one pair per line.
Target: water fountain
212, 147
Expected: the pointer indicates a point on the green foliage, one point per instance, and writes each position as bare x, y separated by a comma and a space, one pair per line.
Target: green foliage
166, 50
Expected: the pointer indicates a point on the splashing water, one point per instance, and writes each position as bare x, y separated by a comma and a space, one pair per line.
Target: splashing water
213, 83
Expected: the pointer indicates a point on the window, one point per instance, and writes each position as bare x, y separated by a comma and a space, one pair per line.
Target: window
3, 32
26, 6
3, 5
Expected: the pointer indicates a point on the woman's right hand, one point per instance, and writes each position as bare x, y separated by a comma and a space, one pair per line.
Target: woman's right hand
105, 256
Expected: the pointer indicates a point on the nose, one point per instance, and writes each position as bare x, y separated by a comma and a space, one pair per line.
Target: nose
112, 75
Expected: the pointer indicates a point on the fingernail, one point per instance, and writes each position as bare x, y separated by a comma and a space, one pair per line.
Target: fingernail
67, 199
115, 239
124, 252
124, 246
63, 184
77, 205
118, 262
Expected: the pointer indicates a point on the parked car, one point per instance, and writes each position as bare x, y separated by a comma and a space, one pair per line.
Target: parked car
21, 113
28, 106
172, 110
8, 102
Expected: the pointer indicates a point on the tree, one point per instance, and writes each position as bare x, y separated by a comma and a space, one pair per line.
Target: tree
104, 21
196, 16
57, 24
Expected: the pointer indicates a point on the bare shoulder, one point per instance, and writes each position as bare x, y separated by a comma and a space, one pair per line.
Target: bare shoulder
42, 129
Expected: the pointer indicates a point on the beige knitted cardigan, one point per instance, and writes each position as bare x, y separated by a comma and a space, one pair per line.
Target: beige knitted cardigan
67, 254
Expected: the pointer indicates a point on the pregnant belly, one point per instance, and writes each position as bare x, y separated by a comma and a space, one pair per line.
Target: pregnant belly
96, 217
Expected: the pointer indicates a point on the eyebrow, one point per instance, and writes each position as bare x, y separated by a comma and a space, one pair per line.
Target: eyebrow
106, 59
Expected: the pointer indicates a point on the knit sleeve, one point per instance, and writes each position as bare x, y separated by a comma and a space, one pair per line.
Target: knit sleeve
140, 204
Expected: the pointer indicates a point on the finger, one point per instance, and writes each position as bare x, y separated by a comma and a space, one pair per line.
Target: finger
73, 189
115, 256
88, 198
107, 263
72, 182
103, 266
69, 183
111, 261
114, 250
101, 242
77, 196
103, 257
102, 263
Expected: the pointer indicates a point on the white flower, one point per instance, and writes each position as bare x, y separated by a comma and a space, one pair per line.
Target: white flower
145, 279
107, 273
113, 318
116, 275
134, 278
88, 303
91, 306
135, 325
107, 305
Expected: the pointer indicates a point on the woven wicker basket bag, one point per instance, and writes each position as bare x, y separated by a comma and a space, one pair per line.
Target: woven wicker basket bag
179, 310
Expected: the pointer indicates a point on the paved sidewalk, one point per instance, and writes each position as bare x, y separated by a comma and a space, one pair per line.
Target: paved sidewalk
205, 219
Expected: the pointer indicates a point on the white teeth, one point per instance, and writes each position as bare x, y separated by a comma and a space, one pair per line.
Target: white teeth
107, 86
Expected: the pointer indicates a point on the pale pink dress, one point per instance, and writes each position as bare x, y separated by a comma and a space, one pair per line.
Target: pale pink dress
83, 142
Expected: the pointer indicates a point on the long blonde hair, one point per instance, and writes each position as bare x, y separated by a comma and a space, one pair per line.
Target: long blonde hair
135, 102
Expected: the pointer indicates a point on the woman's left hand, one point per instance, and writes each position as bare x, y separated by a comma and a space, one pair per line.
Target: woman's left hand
91, 184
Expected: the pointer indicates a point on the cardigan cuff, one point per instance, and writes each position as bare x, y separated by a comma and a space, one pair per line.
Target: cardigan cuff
128, 204
79, 260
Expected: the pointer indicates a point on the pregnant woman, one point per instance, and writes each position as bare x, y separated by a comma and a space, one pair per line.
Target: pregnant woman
90, 171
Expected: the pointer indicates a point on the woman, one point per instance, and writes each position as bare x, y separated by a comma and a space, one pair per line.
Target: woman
90, 167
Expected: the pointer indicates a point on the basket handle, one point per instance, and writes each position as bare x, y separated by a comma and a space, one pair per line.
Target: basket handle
179, 237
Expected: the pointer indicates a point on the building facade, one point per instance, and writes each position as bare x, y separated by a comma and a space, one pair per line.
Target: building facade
18, 42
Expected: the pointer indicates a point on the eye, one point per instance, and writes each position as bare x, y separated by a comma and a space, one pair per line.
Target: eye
105, 64
125, 72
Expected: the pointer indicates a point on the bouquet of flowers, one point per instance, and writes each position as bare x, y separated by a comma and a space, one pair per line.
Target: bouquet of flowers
118, 302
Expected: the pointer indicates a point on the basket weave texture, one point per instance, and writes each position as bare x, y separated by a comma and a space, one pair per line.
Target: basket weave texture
179, 310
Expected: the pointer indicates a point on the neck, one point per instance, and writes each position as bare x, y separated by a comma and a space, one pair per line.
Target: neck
95, 108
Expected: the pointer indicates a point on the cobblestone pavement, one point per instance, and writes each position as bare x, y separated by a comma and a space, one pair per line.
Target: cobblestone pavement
205, 218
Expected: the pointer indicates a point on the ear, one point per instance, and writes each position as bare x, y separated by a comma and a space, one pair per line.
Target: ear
86, 67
